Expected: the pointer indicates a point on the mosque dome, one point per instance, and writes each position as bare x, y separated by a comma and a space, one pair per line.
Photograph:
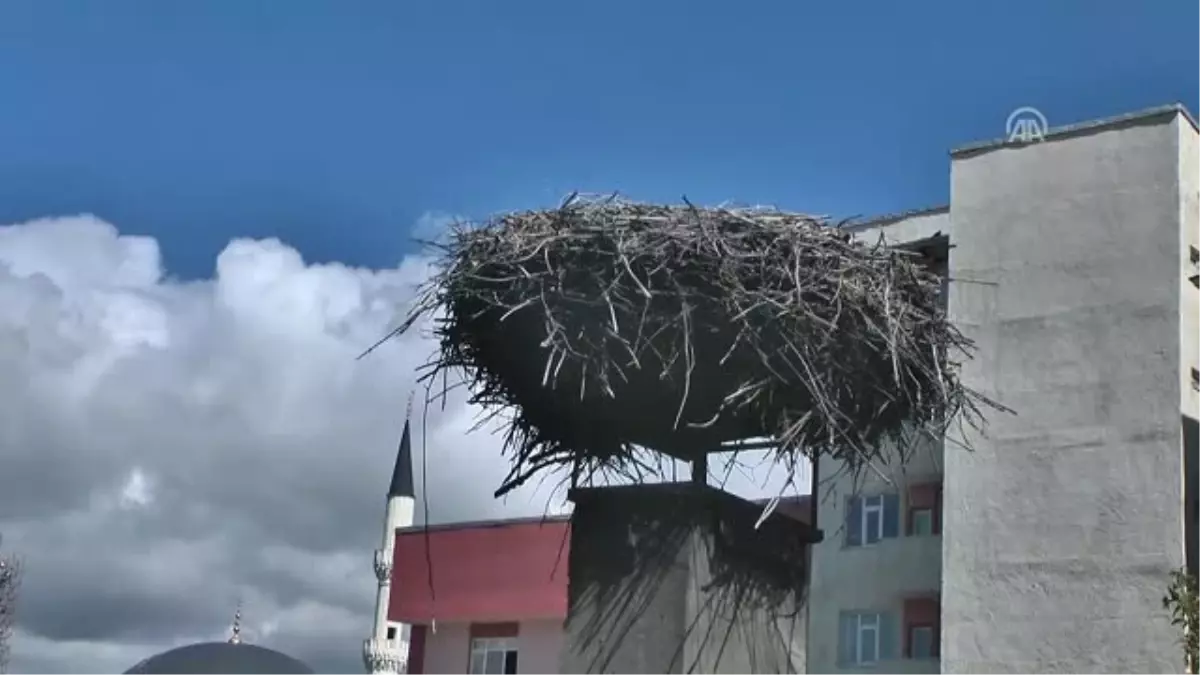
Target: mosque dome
221, 657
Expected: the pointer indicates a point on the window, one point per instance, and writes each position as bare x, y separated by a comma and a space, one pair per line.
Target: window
867, 647
924, 510
922, 617
494, 656
870, 519
920, 642
921, 522
391, 633
866, 638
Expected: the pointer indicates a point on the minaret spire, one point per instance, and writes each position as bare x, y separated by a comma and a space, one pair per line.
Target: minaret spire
402, 473
386, 651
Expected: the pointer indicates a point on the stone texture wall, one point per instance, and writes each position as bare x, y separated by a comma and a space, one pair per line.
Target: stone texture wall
1063, 524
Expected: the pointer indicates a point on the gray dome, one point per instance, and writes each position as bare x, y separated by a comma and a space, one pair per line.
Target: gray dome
221, 657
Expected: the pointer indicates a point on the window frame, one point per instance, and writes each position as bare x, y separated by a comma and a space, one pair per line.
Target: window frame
922, 611
874, 504
913, 513
920, 498
875, 626
483, 646
911, 641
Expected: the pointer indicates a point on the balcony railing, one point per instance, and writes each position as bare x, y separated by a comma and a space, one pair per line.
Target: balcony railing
383, 565
385, 656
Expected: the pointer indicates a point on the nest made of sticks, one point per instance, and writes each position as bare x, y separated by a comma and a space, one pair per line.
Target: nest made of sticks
604, 325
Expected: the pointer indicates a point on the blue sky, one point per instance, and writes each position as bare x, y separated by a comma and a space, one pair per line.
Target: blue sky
334, 125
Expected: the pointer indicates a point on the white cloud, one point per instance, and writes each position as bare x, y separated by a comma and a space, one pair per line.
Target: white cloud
171, 448
137, 491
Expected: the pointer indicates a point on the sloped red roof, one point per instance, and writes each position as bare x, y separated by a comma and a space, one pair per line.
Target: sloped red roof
496, 571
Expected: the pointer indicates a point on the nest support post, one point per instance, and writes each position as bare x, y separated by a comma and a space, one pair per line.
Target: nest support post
700, 470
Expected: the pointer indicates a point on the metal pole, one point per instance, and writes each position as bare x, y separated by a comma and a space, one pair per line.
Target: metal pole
700, 469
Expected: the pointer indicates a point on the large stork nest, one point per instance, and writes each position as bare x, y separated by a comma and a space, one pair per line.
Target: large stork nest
603, 326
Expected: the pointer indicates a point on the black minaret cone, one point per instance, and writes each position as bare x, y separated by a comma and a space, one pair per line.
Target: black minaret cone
402, 475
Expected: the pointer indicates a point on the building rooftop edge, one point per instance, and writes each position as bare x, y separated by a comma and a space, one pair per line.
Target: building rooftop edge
1089, 126
1064, 131
895, 217
484, 524
530, 520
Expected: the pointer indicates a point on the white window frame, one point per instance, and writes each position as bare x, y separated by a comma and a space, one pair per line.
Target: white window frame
912, 641
481, 647
866, 623
871, 505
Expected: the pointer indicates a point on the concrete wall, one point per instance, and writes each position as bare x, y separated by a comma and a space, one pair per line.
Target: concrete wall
728, 637
1189, 357
539, 644
675, 624
639, 629
1062, 525
904, 229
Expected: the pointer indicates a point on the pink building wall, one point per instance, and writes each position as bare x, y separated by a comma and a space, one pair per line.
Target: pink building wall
539, 643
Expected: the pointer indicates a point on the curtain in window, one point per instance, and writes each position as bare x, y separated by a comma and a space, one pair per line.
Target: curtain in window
889, 638
853, 522
891, 516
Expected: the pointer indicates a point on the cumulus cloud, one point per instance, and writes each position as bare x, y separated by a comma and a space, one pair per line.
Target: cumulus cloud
172, 448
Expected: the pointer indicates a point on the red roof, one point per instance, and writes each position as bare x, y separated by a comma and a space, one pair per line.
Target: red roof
498, 571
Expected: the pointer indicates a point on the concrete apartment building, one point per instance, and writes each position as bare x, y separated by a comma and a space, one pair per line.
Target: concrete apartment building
1073, 263
1047, 548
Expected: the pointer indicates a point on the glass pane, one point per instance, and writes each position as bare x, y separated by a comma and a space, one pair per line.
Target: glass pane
873, 526
495, 663
922, 522
510, 662
922, 642
476, 662
867, 645
875, 502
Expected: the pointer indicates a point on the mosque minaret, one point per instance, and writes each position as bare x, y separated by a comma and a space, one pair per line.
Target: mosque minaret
386, 651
